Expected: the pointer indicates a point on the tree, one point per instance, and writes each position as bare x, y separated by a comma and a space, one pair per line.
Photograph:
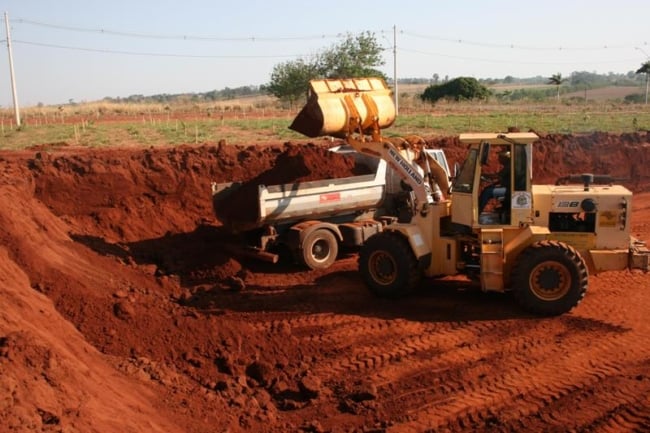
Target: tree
356, 56
645, 69
586, 79
557, 80
463, 88
290, 80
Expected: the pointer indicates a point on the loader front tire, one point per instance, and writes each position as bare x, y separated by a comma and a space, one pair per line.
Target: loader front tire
319, 249
549, 278
388, 266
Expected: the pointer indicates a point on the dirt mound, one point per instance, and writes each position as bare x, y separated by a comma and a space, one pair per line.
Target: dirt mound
133, 194
625, 157
53, 379
122, 311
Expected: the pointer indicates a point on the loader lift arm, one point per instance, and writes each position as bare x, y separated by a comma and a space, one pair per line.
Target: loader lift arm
356, 110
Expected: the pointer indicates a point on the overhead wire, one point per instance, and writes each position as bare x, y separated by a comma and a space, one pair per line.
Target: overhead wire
253, 38
407, 49
515, 46
493, 60
178, 37
149, 54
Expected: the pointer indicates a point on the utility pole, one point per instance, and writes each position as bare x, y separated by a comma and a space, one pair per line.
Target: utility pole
395, 69
647, 59
11, 72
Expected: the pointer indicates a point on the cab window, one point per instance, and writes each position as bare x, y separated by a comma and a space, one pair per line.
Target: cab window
464, 182
521, 161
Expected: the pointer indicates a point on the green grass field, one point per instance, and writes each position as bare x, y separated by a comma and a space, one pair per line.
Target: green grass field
257, 126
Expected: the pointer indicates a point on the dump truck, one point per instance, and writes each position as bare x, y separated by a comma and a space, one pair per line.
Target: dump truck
314, 220
538, 242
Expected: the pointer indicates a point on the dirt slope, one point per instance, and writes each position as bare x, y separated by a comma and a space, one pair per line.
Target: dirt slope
119, 313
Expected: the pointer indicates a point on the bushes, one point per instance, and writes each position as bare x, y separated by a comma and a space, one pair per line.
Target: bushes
459, 89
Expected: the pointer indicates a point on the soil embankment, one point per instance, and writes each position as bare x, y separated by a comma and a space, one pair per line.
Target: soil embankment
118, 314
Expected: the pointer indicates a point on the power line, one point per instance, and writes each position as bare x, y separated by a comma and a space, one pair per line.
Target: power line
492, 60
279, 56
309, 37
253, 38
518, 46
177, 37
148, 54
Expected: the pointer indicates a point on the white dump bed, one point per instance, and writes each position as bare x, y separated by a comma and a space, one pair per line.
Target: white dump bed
309, 200
322, 198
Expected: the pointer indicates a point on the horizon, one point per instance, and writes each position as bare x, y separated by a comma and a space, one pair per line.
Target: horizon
81, 52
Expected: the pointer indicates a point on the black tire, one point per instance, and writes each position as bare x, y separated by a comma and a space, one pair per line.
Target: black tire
319, 249
550, 278
388, 266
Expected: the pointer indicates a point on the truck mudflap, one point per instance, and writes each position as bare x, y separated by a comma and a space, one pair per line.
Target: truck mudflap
639, 255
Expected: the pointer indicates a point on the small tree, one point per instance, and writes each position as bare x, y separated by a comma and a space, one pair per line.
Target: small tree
645, 69
354, 57
557, 80
463, 88
290, 80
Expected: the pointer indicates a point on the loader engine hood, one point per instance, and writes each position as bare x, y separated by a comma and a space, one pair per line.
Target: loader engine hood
594, 217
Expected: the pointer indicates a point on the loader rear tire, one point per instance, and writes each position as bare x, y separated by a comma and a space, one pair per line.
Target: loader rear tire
319, 249
550, 278
388, 266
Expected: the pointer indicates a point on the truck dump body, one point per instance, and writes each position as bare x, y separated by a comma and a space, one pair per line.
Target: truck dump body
320, 199
284, 203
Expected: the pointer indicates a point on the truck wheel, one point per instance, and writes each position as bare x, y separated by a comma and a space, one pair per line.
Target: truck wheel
319, 249
388, 266
550, 278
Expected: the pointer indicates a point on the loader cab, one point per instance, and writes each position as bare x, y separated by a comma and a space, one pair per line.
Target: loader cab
493, 185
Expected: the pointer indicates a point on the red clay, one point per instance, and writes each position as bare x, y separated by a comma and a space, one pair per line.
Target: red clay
120, 312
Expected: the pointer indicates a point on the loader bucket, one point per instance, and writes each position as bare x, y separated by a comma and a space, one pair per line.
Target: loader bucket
341, 107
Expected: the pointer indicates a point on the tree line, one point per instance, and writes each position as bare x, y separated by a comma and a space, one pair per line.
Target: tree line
361, 55
210, 96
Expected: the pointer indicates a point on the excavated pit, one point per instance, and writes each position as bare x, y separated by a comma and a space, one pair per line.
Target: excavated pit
122, 310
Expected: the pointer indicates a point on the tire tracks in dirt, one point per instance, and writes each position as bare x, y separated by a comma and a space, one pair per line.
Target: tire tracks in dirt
506, 374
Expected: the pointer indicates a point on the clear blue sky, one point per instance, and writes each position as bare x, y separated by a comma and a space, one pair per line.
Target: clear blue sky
60, 52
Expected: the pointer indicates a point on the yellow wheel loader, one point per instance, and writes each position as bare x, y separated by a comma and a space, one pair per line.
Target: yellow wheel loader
539, 242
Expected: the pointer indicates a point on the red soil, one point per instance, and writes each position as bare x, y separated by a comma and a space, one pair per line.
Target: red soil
119, 315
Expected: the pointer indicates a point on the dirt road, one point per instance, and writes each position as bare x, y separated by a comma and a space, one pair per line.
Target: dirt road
121, 312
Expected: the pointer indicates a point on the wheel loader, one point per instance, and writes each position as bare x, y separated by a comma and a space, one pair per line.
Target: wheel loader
539, 242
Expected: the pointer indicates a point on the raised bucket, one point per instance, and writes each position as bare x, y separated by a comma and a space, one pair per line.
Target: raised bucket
338, 107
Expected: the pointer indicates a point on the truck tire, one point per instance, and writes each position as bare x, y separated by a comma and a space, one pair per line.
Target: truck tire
550, 278
319, 249
388, 266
